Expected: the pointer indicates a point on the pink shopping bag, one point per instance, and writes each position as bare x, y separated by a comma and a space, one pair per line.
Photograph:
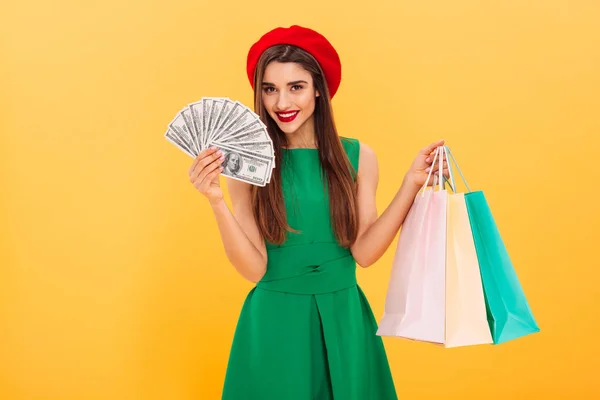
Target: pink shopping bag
415, 301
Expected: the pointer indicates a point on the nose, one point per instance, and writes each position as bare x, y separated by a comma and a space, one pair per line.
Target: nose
283, 101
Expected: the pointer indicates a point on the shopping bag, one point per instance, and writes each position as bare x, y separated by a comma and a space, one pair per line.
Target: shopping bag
508, 312
415, 300
466, 317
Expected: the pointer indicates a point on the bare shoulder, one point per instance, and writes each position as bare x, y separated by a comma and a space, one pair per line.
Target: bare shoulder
368, 169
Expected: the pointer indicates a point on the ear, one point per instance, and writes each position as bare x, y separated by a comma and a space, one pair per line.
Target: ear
317, 94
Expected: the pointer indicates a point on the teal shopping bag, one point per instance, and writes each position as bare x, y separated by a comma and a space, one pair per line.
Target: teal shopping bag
509, 314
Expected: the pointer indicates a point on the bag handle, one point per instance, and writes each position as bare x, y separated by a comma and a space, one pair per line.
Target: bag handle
451, 183
430, 170
448, 152
439, 179
443, 178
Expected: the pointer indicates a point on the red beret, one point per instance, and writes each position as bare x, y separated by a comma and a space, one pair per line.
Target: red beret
306, 39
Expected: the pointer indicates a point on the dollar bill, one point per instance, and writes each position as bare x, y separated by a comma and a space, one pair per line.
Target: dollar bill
257, 135
196, 110
246, 168
232, 114
259, 149
206, 105
216, 105
233, 128
245, 117
242, 133
180, 129
174, 139
224, 110
187, 117
249, 153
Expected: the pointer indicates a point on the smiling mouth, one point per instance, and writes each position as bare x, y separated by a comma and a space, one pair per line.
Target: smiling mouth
287, 116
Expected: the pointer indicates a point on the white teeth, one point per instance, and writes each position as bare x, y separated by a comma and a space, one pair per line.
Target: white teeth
288, 114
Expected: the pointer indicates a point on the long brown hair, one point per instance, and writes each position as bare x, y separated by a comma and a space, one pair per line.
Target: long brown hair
338, 173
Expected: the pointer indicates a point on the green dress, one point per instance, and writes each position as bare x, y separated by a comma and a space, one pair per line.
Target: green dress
306, 330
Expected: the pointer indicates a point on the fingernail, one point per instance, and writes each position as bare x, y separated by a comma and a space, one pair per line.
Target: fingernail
222, 158
427, 170
428, 159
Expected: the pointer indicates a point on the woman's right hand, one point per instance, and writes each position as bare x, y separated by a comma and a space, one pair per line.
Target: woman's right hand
204, 174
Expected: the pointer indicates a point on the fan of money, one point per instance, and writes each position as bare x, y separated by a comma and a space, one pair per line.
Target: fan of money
231, 127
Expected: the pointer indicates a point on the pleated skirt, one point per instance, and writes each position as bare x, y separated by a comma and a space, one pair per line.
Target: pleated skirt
290, 346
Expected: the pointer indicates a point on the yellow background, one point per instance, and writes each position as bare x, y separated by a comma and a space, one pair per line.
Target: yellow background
113, 281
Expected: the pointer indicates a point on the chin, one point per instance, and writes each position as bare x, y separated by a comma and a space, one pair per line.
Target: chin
288, 129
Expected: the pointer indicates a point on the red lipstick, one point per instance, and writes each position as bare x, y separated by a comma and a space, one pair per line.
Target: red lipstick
287, 116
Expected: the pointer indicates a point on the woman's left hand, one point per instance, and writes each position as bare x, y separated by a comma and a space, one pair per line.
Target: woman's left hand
419, 170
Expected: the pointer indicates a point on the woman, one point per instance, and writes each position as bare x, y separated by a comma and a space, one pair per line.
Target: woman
306, 330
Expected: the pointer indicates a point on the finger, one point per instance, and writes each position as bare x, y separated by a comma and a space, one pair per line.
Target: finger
200, 157
209, 169
430, 156
436, 167
213, 175
429, 149
430, 160
210, 178
201, 179
215, 156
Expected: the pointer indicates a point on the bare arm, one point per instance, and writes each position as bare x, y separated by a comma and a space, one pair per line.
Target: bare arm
241, 238
377, 233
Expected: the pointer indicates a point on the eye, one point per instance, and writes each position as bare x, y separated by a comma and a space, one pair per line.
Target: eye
297, 87
268, 89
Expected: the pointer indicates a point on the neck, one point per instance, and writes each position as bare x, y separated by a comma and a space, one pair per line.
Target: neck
303, 137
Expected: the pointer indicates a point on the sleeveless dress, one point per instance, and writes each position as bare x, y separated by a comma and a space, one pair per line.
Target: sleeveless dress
306, 330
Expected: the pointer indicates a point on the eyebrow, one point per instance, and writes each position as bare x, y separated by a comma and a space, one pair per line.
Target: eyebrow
289, 83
